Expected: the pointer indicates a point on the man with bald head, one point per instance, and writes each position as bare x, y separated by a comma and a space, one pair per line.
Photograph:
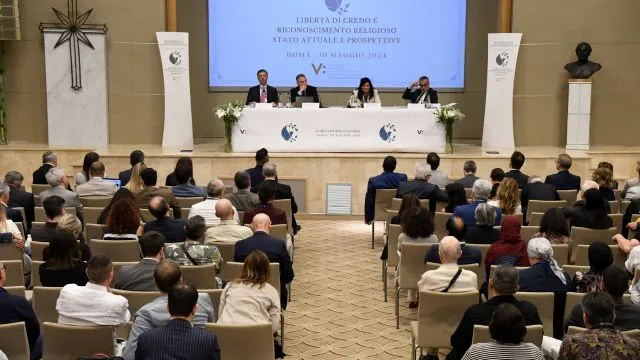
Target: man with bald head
449, 277
228, 230
457, 230
215, 192
275, 249
172, 229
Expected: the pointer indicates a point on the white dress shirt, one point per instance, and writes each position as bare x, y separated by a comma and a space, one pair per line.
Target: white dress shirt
207, 210
91, 305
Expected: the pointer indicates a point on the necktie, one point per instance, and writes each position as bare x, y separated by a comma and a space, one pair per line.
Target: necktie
263, 96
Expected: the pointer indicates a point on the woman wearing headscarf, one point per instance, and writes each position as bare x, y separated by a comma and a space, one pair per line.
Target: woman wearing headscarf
594, 215
545, 275
510, 248
600, 258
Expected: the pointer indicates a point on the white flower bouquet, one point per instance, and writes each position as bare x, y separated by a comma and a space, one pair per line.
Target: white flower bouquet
229, 113
446, 116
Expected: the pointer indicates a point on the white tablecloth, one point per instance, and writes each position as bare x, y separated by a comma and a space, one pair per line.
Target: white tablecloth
338, 130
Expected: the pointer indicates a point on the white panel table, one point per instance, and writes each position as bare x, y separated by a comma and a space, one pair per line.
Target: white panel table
338, 130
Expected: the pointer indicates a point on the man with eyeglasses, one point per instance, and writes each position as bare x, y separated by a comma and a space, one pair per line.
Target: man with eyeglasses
419, 92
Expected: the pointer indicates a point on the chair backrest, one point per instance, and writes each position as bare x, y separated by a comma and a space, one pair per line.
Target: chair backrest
35, 272
527, 232
396, 202
87, 341
494, 267
634, 334
23, 214
15, 272
479, 271
561, 253
411, 264
94, 231
624, 204
227, 251
614, 206
440, 224
214, 294
233, 271
279, 232
187, 202
44, 303
570, 196
535, 219
573, 299
618, 194
241, 217
572, 269
616, 219
584, 236
146, 216
233, 341
8, 251
41, 216
534, 335
91, 214
484, 248
37, 247
16, 291
384, 197
392, 244
14, 342
573, 330
285, 205
439, 315
117, 250
21, 228
137, 299
36, 189
544, 303
117, 265
582, 256
201, 276
95, 201
541, 206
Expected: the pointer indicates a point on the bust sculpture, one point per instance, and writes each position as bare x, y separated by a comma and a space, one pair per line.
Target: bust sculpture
583, 68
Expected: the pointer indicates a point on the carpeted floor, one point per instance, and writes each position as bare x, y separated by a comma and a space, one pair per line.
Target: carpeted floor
338, 309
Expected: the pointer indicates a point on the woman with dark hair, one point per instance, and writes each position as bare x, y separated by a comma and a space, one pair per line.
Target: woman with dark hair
171, 179
594, 215
408, 200
554, 227
123, 222
600, 258
365, 93
63, 266
508, 329
120, 194
83, 176
456, 195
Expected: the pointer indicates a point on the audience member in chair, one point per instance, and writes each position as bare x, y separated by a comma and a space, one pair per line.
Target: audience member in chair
139, 277
178, 339
136, 157
421, 187
508, 329
49, 160
545, 275
604, 178
193, 251
387, 180
470, 177
97, 186
554, 227
602, 340
481, 191
135, 183
59, 184
63, 263
507, 199
17, 309
266, 193
53, 210
563, 180
502, 287
483, 232
496, 176
283, 191
228, 230
149, 178
600, 258
123, 222
93, 304
537, 190
155, 314
172, 179
408, 201
632, 183
243, 199
121, 193
446, 277
275, 249
84, 176
206, 208
609, 166
515, 164
580, 204
594, 213
468, 255
172, 229
19, 197
184, 176
438, 178
456, 196
510, 248
255, 173
5, 198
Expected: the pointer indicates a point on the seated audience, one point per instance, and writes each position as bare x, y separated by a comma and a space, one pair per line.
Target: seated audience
580, 204
184, 176
437, 178
594, 213
510, 248
507, 199
387, 180
93, 304
554, 227
515, 164
178, 339
172, 229
502, 287
53, 211
20, 198
422, 188
496, 176
456, 196
408, 200
508, 329
469, 255
228, 230
604, 178
266, 194
545, 275
84, 176
537, 190
632, 209
631, 184
123, 222
97, 186
172, 180
609, 166
563, 180
215, 192
243, 199
135, 182
440, 280
193, 251
481, 190
602, 341
155, 314
136, 157
600, 258
17, 309
483, 232
63, 265
121, 193
5, 197
139, 277
149, 178
49, 160
59, 184
283, 192
9, 232
71, 223
470, 177
255, 173
275, 249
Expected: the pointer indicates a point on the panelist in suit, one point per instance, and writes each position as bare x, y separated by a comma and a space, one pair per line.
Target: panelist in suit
49, 160
304, 89
419, 92
262, 93
564, 180
365, 93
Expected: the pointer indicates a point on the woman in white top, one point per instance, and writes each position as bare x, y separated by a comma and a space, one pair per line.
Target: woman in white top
8, 226
365, 93
83, 176
507, 198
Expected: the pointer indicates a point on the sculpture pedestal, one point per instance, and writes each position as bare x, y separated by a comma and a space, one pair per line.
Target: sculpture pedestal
579, 114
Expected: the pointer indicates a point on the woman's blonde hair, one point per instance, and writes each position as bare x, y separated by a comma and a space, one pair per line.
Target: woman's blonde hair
70, 223
507, 194
603, 176
136, 182
255, 269
3, 219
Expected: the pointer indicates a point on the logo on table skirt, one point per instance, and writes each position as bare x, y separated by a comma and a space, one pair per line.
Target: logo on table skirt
289, 132
175, 58
337, 6
388, 133
502, 59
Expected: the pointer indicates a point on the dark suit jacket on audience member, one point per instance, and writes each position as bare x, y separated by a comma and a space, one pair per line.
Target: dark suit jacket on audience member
19, 198
469, 255
172, 181
172, 229
44, 233
311, 91
283, 191
538, 191
564, 180
137, 277
518, 176
467, 181
125, 176
494, 190
276, 251
423, 190
386, 180
468, 213
39, 175
177, 340
253, 95
276, 215
18, 309
13, 214
414, 95
255, 173
627, 316
482, 235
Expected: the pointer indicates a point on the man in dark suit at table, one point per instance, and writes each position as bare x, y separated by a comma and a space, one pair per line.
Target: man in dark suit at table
304, 89
564, 180
136, 156
49, 160
419, 92
19, 197
516, 163
421, 187
262, 93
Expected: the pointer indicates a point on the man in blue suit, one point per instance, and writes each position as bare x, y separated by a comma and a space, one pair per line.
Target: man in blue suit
564, 180
387, 180
255, 173
481, 192
179, 339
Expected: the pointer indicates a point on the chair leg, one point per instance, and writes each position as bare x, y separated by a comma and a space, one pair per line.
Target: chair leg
373, 231
413, 347
384, 283
397, 308
289, 291
282, 331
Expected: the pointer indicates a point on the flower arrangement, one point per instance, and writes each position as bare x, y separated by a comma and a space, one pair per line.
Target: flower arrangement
446, 116
229, 113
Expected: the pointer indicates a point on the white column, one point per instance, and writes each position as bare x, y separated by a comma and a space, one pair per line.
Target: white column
579, 114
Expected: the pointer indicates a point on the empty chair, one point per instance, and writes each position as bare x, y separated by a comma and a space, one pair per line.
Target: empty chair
384, 197
137, 299
16, 291
14, 342
214, 294
544, 303
535, 218
95, 201
572, 269
227, 251
584, 236
36, 189
285, 205
392, 254
117, 250
573, 299
201, 276
570, 196
86, 341
440, 224
14, 271
37, 248
279, 232
540, 206
561, 253
35, 272
615, 206
410, 269
187, 202
616, 219
91, 214
233, 341
94, 231
44, 303
8, 251
534, 334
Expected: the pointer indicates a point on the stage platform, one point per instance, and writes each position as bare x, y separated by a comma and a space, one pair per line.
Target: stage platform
309, 173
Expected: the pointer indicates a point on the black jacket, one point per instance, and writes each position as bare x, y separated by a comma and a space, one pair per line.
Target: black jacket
481, 235
469, 255
413, 96
13, 214
19, 198
125, 176
172, 229
518, 176
256, 177
311, 91
253, 95
627, 316
423, 190
564, 180
39, 174
17, 309
538, 191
